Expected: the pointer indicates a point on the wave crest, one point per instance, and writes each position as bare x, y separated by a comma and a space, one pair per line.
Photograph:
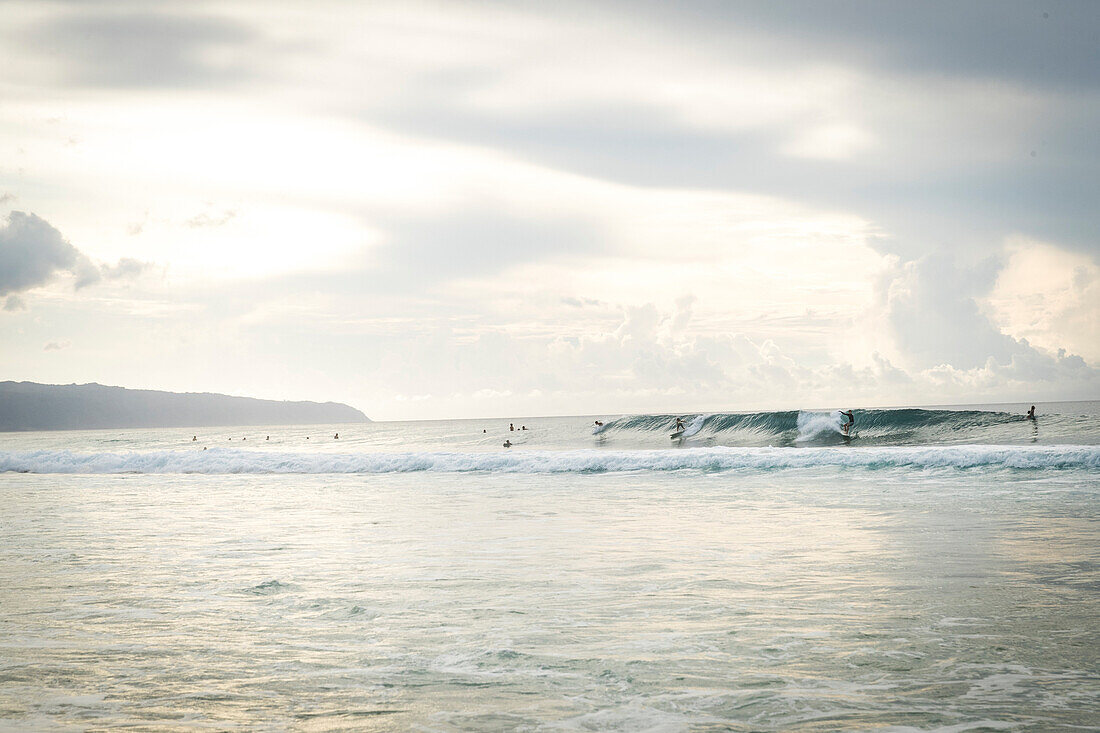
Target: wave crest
883, 427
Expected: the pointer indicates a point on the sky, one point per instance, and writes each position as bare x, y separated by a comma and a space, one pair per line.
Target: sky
463, 209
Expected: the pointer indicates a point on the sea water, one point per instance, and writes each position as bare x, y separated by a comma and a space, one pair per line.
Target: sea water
935, 570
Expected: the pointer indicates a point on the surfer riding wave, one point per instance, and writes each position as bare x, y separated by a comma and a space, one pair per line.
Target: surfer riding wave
847, 426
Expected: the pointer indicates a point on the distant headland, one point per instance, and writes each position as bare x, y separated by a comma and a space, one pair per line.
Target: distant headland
33, 406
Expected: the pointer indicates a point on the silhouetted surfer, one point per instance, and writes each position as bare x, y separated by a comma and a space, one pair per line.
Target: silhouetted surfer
1031, 413
847, 427
679, 424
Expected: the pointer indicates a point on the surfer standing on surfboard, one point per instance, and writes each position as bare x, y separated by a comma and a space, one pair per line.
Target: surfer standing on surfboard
847, 427
679, 423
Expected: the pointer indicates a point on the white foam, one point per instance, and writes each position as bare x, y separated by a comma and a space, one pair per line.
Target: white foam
813, 424
227, 461
695, 425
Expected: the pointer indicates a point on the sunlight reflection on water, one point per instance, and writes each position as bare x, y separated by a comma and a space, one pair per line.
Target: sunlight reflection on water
631, 601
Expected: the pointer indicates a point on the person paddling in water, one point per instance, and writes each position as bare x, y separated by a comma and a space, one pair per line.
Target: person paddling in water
847, 426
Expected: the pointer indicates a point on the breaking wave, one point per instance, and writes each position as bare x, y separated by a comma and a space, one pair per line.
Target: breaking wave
801, 427
229, 461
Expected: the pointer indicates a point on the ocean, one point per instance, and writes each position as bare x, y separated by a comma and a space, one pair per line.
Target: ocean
939, 569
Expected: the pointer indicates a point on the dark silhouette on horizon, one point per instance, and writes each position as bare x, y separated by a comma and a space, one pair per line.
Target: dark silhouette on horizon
34, 406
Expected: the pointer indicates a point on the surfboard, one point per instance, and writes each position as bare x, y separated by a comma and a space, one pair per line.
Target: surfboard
677, 434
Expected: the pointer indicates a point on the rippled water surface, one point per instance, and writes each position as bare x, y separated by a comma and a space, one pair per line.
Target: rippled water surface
813, 598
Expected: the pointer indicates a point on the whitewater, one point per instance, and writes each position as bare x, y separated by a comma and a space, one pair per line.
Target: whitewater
936, 569
221, 460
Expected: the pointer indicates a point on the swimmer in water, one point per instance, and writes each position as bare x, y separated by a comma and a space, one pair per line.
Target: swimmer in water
507, 444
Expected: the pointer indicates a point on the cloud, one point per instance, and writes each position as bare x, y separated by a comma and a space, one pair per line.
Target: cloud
135, 49
1014, 42
211, 220
126, 267
32, 251
1049, 296
541, 247
56, 346
683, 313
581, 302
89, 273
475, 242
653, 360
14, 303
650, 360
922, 122
1030, 374
86, 272
931, 310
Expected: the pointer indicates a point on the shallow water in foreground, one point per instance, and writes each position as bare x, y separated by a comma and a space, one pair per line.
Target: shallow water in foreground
815, 598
